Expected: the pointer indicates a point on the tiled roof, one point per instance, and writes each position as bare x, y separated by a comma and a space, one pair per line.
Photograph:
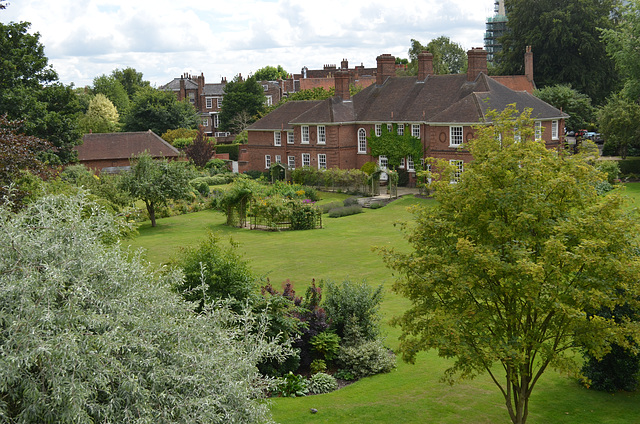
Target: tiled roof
214, 89
123, 145
437, 99
174, 85
280, 118
516, 82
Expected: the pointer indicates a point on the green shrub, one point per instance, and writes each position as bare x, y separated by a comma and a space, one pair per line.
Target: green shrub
292, 385
182, 143
232, 149
629, 166
327, 344
611, 168
322, 383
200, 185
350, 201
329, 206
618, 370
345, 211
368, 358
376, 205
317, 365
352, 305
344, 375
217, 166
304, 216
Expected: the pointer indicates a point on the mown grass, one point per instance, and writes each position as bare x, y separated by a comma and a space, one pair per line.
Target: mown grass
411, 393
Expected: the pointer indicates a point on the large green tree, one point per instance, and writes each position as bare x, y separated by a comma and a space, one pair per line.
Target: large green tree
619, 123
243, 101
110, 87
92, 334
508, 268
622, 44
566, 41
131, 80
576, 104
270, 73
159, 111
155, 182
101, 116
29, 91
448, 56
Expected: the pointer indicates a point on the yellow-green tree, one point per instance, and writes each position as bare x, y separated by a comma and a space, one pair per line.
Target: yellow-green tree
101, 117
508, 269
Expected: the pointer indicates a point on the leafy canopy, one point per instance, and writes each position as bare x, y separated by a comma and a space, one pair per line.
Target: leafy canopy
507, 269
576, 104
395, 146
155, 182
92, 334
271, 73
243, 101
566, 41
159, 111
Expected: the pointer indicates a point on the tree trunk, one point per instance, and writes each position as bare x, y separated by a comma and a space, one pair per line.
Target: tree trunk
152, 212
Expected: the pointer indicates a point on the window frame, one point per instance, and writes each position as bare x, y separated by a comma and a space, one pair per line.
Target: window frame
290, 137
362, 141
378, 130
209, 102
291, 162
453, 135
278, 159
306, 162
322, 134
322, 161
538, 130
400, 129
267, 161
415, 130
304, 134
555, 126
459, 164
277, 138
383, 162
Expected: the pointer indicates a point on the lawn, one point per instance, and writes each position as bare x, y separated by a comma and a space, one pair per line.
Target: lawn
411, 393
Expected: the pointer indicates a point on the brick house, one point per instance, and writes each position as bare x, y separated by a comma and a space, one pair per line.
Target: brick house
207, 99
439, 109
111, 152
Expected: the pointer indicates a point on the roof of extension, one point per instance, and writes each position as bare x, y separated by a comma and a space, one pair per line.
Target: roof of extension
439, 99
123, 145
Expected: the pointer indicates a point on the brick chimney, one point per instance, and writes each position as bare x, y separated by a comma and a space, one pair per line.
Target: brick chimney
528, 64
477, 63
182, 93
386, 68
342, 85
425, 65
344, 64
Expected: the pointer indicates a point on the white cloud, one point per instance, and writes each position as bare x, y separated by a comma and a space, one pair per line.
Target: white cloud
163, 38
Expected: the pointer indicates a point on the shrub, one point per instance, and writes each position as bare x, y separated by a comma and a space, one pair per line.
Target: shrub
217, 166
350, 201
345, 211
629, 166
344, 375
326, 344
182, 143
200, 185
317, 365
368, 358
376, 205
356, 305
611, 168
332, 205
618, 370
232, 149
322, 383
213, 272
292, 385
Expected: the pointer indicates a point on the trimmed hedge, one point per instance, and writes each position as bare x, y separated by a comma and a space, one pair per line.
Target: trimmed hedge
629, 166
345, 211
232, 149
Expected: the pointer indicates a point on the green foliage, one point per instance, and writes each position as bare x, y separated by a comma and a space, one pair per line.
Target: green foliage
317, 365
101, 116
234, 202
622, 45
325, 208
507, 281
182, 143
369, 168
629, 166
159, 111
155, 182
619, 123
243, 100
394, 146
232, 149
241, 138
358, 302
326, 344
270, 73
18, 152
617, 370
321, 382
213, 272
110, 87
217, 166
448, 57
365, 359
345, 211
566, 41
611, 168
292, 385
200, 185
95, 335
131, 80
170, 136
576, 104
344, 375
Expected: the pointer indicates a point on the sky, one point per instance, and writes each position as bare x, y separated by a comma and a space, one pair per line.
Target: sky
223, 38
